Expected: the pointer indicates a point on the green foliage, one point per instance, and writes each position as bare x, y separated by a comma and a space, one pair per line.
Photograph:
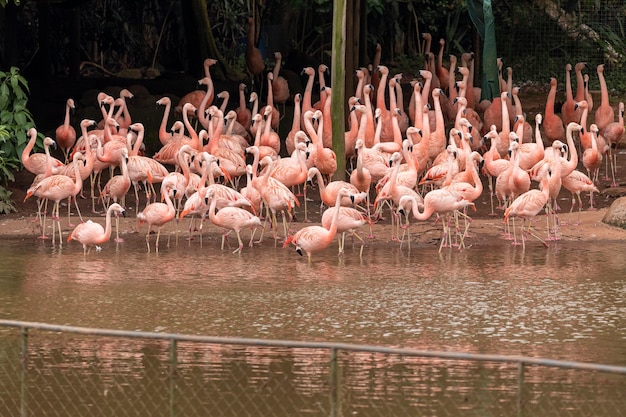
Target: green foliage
15, 120
14, 115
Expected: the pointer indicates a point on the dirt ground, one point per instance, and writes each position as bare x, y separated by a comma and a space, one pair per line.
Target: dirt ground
485, 230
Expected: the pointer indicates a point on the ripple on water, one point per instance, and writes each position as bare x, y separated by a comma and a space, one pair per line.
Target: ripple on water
548, 302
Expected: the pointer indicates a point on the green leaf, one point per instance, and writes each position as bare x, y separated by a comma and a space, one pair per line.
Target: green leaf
20, 118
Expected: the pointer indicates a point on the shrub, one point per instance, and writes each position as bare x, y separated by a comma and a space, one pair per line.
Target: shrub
15, 120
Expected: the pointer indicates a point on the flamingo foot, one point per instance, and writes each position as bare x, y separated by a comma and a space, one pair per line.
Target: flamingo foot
118, 240
43, 237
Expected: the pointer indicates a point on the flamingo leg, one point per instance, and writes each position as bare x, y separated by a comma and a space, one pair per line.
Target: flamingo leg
43, 221
240, 247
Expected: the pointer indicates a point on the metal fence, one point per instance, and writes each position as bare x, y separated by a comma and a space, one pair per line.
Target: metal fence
50, 370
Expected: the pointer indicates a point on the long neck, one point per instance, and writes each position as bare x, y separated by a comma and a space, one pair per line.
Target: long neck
573, 161
308, 126
506, 121
212, 208
550, 101
205, 100
46, 149
224, 103
295, 125
440, 124
380, 94
257, 138
270, 93
78, 180
452, 80
417, 102
164, 135
277, 67
135, 149
66, 122
107, 226
332, 230
604, 92
89, 161
425, 215
568, 86
308, 91
320, 134
29, 146
399, 97
195, 140
580, 84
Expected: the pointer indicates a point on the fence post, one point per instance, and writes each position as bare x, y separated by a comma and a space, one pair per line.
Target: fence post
24, 380
520, 388
334, 384
172, 376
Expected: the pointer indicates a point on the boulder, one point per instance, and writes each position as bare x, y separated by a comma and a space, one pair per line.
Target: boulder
616, 214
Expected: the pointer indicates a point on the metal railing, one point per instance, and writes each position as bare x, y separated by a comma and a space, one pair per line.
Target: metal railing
53, 370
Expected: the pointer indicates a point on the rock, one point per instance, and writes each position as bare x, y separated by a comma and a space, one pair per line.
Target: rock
616, 214
132, 73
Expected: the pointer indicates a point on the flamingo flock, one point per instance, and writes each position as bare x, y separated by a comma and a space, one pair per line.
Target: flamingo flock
425, 159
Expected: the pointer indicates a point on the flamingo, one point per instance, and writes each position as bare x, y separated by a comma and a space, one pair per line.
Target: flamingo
65, 135
349, 220
116, 189
57, 188
164, 135
253, 56
37, 163
577, 182
568, 110
592, 157
195, 97
280, 86
232, 218
290, 143
440, 201
552, 124
613, 134
244, 115
91, 234
316, 238
157, 215
604, 114
529, 204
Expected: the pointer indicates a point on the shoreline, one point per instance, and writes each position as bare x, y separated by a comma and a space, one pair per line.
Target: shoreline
482, 231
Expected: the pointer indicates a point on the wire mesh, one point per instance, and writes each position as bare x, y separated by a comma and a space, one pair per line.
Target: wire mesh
537, 39
97, 374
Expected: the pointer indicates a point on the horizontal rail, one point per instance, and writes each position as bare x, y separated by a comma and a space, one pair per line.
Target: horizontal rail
317, 345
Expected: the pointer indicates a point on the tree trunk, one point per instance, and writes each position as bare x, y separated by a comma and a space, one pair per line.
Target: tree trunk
338, 74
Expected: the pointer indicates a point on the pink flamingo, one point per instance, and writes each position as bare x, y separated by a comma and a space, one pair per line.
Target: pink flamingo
116, 189
440, 201
65, 135
530, 203
57, 188
312, 239
577, 182
37, 163
164, 135
613, 134
232, 218
349, 220
90, 234
157, 215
